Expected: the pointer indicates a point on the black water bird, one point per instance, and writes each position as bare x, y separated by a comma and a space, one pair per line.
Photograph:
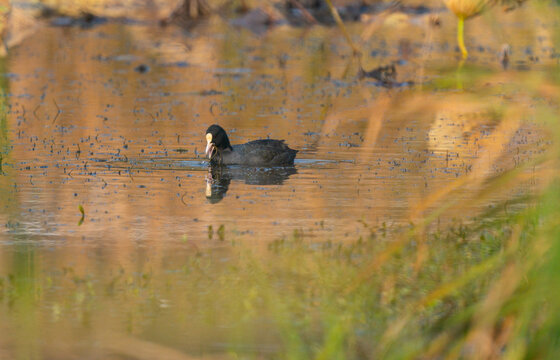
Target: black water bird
264, 152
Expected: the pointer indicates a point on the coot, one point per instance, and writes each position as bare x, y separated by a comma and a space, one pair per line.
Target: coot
265, 152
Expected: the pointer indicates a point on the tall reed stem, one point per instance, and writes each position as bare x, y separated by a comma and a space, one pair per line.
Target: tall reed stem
460, 37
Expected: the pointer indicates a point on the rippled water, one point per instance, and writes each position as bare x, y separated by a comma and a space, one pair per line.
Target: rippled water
86, 126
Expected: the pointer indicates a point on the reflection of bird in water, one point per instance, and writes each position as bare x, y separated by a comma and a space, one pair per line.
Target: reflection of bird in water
466, 9
265, 152
216, 187
219, 178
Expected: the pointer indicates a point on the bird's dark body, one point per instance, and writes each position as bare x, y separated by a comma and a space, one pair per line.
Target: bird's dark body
265, 152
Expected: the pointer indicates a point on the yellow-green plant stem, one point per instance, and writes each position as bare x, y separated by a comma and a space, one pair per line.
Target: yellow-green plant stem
340, 24
460, 37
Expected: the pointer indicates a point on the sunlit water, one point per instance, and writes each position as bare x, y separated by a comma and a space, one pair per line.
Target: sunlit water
86, 127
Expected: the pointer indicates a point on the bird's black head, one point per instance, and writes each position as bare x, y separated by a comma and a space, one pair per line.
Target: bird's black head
216, 140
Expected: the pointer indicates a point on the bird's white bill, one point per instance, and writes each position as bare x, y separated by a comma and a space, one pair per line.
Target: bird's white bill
209, 146
209, 150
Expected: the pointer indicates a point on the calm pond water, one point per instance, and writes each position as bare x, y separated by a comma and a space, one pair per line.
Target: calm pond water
112, 119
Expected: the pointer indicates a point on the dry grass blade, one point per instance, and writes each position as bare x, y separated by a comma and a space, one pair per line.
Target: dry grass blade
376, 22
491, 148
375, 122
447, 289
340, 24
306, 14
135, 348
378, 261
